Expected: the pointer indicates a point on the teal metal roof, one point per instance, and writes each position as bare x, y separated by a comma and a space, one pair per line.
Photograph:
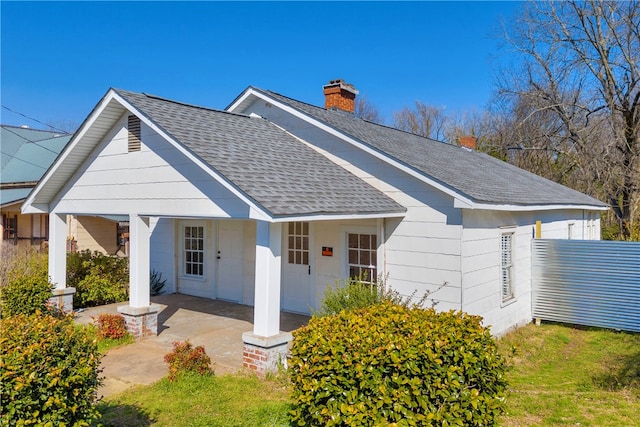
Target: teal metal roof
27, 153
13, 195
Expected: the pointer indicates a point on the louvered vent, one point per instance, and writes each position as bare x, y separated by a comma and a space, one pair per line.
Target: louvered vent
133, 125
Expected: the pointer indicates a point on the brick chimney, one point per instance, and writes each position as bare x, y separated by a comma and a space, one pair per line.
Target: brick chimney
467, 141
340, 95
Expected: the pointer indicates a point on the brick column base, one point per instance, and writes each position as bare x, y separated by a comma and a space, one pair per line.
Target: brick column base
62, 299
265, 354
142, 322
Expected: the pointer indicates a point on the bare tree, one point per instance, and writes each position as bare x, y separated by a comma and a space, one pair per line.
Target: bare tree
366, 110
575, 98
425, 120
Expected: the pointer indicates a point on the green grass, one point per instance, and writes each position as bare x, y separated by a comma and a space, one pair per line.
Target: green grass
559, 375
194, 400
562, 375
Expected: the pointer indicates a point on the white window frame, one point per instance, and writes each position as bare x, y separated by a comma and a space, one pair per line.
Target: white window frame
571, 231
372, 267
187, 249
507, 266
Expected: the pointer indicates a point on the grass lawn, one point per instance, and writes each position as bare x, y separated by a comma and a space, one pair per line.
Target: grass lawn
572, 376
560, 376
194, 400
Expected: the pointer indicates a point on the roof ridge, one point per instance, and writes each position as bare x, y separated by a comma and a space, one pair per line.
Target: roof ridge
185, 104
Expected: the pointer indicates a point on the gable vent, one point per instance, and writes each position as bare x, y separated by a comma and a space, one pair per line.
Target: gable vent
133, 125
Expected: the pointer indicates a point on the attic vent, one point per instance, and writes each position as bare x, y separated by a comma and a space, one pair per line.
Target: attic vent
133, 125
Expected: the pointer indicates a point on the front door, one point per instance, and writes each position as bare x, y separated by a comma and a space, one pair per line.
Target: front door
230, 257
195, 268
297, 269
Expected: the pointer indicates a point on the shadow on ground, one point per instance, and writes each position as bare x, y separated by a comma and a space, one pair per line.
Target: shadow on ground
623, 372
122, 415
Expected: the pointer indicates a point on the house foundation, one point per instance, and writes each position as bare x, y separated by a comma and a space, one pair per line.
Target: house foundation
265, 354
142, 322
62, 299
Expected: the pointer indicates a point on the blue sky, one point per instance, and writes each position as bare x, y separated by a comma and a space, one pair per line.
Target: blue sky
59, 58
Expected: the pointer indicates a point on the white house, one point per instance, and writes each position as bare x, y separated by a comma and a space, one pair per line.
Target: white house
270, 202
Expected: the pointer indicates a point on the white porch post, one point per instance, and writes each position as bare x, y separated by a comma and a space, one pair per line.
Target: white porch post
266, 320
266, 347
58, 250
140, 316
139, 264
62, 296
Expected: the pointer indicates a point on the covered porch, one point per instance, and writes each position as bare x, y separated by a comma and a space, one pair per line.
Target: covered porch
216, 325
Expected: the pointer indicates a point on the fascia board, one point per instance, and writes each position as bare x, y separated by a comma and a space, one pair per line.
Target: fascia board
529, 208
29, 202
256, 211
332, 217
332, 131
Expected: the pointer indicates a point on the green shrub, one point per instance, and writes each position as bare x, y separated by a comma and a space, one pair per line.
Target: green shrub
99, 279
78, 265
49, 370
357, 293
387, 364
111, 326
185, 358
28, 289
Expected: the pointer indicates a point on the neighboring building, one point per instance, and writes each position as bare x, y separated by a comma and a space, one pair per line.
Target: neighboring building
26, 155
272, 201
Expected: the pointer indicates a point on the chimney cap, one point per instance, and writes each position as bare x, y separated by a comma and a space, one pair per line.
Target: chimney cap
342, 85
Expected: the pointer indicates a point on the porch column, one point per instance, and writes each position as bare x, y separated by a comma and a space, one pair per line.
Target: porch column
62, 296
266, 320
139, 264
266, 347
140, 316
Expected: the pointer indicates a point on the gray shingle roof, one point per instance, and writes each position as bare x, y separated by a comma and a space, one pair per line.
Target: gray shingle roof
279, 172
478, 176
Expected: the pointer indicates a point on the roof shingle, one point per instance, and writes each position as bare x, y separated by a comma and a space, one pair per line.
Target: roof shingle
275, 169
478, 176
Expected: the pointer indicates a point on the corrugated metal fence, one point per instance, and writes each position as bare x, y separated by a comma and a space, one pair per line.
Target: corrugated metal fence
587, 282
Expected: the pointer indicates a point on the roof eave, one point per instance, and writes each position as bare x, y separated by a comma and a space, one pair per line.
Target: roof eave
31, 204
529, 208
330, 216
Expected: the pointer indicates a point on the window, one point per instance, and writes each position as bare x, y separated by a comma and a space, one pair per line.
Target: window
362, 256
506, 257
299, 243
10, 224
570, 231
194, 251
133, 127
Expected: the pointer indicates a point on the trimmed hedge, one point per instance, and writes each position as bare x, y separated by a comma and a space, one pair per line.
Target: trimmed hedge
49, 372
390, 364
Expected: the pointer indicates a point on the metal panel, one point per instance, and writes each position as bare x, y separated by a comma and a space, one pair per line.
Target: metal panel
587, 282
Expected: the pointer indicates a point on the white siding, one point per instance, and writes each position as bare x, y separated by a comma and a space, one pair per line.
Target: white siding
163, 251
157, 181
481, 261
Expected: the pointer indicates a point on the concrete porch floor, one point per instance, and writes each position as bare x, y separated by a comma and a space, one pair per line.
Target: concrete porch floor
216, 325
